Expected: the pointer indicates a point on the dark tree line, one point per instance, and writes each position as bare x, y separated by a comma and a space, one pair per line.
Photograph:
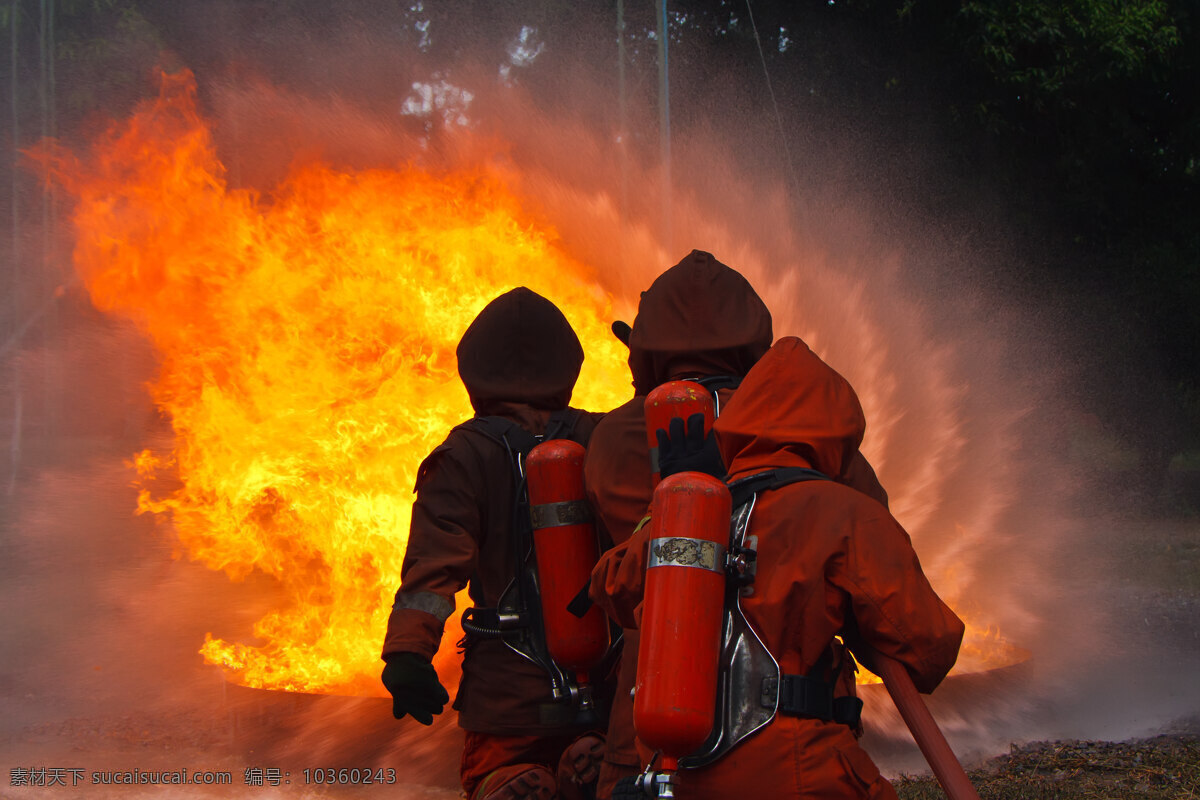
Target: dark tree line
1084, 117
1079, 117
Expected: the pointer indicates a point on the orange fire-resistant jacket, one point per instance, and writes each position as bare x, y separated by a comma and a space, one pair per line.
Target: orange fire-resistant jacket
830, 561
698, 319
519, 360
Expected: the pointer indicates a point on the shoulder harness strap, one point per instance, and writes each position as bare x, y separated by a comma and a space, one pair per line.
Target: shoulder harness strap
808, 695
714, 384
743, 555
518, 619
561, 424
516, 439
745, 488
503, 431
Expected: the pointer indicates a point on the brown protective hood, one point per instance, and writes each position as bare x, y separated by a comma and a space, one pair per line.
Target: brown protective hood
792, 410
698, 318
520, 349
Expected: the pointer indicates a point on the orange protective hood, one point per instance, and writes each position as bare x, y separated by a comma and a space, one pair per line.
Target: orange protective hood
520, 349
792, 410
698, 318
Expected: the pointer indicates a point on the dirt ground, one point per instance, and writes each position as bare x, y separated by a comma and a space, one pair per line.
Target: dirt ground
93, 682
1164, 767
99, 672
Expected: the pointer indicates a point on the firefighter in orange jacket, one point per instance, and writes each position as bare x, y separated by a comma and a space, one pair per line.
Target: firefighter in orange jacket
700, 319
831, 561
519, 361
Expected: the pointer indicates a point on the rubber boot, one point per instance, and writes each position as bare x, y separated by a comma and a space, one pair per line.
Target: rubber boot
517, 782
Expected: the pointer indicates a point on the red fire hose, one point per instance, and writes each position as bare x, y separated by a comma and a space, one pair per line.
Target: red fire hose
925, 731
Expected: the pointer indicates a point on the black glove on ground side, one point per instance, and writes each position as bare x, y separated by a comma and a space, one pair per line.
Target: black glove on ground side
415, 687
690, 452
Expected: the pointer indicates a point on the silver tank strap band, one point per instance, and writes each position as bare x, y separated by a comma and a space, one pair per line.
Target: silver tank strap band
429, 602
682, 551
567, 512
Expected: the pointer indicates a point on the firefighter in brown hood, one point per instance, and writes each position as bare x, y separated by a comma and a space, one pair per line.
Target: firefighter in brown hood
699, 320
830, 562
519, 361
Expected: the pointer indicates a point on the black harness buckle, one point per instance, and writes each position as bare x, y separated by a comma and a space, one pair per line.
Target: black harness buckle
739, 567
812, 698
802, 696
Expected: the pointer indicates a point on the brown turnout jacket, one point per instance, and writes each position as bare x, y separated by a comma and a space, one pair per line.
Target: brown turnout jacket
519, 360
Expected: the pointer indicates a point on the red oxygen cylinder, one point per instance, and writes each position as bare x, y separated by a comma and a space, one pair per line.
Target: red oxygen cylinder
683, 608
675, 399
564, 544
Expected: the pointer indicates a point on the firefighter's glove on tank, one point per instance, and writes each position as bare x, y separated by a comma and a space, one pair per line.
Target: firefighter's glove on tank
689, 452
415, 688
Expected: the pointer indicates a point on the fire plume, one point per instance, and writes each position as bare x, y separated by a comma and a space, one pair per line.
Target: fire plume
306, 339
307, 357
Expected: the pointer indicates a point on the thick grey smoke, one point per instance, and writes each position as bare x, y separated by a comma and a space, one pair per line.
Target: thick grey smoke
963, 391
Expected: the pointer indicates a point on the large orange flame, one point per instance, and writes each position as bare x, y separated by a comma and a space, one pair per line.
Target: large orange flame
307, 343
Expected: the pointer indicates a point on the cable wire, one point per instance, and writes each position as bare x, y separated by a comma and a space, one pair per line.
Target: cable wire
778, 117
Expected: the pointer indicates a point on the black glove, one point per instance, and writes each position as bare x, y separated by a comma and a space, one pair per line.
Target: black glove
693, 452
415, 687
621, 330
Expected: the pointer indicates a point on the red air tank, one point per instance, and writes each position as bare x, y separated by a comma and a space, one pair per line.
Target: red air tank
676, 691
564, 543
675, 399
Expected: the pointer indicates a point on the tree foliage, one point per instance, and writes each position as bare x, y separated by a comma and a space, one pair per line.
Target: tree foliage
1083, 116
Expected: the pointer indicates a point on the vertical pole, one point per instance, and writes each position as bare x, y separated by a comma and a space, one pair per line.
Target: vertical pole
14, 291
623, 118
50, 390
44, 102
664, 120
55, 387
43, 267
50, 70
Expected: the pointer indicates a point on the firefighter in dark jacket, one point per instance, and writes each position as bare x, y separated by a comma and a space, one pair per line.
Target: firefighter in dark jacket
519, 361
701, 320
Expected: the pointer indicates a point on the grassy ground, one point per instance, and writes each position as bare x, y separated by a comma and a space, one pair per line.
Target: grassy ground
1162, 768
1160, 565
1159, 554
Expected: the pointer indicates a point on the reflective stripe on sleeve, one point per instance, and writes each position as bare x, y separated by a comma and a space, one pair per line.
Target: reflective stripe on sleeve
429, 602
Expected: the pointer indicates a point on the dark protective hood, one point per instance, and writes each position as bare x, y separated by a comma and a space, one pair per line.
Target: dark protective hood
520, 349
792, 410
698, 318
